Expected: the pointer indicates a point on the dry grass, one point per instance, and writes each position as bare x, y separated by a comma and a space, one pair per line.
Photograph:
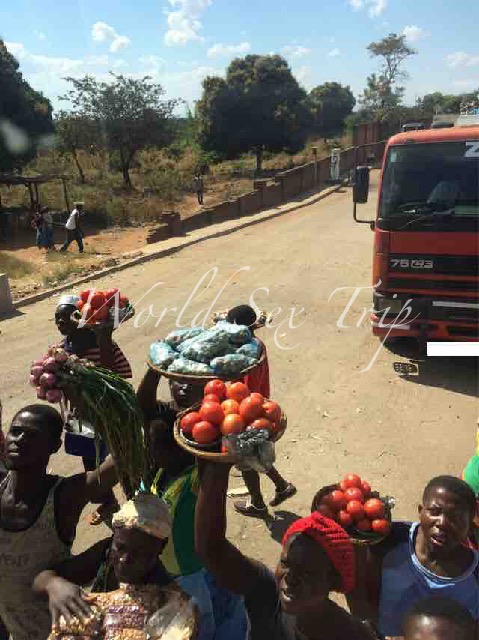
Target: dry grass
15, 268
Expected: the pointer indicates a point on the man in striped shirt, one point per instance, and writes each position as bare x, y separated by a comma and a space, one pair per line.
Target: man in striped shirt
95, 343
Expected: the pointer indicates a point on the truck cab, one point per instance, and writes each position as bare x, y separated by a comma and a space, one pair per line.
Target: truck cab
426, 245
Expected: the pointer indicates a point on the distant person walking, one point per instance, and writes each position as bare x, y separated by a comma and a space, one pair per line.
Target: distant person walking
199, 187
73, 228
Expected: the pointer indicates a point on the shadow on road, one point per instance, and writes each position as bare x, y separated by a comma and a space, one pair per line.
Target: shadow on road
280, 523
14, 313
455, 374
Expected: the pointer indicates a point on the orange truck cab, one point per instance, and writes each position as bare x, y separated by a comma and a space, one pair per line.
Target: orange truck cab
425, 266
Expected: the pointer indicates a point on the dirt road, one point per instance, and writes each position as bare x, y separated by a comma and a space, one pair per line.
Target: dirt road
397, 432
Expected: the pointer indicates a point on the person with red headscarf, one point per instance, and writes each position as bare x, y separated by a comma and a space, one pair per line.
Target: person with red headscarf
317, 558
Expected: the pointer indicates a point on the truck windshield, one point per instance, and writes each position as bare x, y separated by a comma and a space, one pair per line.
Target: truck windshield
429, 178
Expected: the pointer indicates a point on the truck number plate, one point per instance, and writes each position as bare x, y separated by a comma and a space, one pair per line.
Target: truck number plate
410, 263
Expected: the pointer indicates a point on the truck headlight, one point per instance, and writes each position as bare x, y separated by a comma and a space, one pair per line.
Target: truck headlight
392, 306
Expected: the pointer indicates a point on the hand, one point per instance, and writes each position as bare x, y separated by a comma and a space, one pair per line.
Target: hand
68, 600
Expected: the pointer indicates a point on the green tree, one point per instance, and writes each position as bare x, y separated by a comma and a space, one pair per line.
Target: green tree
258, 106
75, 132
331, 104
25, 115
129, 112
383, 93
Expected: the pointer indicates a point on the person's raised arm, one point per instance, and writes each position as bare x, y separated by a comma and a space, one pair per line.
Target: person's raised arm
104, 335
230, 568
61, 584
146, 393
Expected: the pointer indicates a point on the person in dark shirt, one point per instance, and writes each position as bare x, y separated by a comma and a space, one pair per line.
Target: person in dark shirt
317, 558
439, 618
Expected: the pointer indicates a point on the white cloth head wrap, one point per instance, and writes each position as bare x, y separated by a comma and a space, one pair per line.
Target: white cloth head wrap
146, 512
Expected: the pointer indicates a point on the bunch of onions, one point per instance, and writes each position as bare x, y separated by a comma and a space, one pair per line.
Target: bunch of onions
105, 400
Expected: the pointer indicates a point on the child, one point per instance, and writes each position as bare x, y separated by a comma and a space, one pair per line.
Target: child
258, 381
439, 618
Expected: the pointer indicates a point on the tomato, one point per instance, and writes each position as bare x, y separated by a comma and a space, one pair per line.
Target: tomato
363, 525
87, 311
211, 397
98, 300
204, 432
212, 412
336, 500
342, 486
123, 302
237, 391
230, 406
80, 304
355, 510
353, 493
110, 296
257, 396
224, 448
365, 488
272, 411
217, 387
374, 509
325, 511
85, 294
344, 518
262, 423
188, 422
381, 526
233, 423
251, 409
100, 314
352, 480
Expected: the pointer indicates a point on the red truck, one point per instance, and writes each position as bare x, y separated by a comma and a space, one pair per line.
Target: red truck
426, 244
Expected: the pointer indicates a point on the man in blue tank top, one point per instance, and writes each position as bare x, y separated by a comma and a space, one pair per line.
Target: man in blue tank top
429, 557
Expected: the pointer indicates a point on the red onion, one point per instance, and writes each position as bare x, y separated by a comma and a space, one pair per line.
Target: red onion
50, 365
54, 395
38, 363
48, 380
33, 381
41, 393
36, 371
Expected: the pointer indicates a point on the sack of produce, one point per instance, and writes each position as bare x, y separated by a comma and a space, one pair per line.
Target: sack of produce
104, 400
232, 364
175, 338
146, 612
238, 333
252, 450
251, 349
183, 365
162, 354
362, 512
205, 347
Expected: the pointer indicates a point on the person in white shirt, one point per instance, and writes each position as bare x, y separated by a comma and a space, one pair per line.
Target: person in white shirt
73, 228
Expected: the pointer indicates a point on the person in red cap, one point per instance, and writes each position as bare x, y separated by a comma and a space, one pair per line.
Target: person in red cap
317, 558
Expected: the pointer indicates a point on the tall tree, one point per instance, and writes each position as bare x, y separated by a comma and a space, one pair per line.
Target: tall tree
331, 104
25, 115
258, 106
75, 132
383, 92
129, 112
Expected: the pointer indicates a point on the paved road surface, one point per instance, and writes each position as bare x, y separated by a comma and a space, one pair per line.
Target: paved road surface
397, 432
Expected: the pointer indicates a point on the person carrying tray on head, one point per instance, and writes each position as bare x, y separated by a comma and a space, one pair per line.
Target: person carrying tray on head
95, 343
258, 381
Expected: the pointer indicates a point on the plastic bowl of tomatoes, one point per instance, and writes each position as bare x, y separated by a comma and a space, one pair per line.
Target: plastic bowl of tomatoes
227, 408
362, 512
97, 307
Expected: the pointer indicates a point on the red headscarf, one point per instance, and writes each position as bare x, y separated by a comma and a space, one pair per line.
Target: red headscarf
334, 540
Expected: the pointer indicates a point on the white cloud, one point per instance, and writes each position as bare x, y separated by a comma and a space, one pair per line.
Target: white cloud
184, 22
97, 61
16, 48
295, 51
461, 59
103, 32
152, 61
228, 49
334, 53
303, 75
40, 35
413, 33
375, 7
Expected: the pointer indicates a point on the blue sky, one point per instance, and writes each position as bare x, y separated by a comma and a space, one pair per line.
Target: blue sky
179, 42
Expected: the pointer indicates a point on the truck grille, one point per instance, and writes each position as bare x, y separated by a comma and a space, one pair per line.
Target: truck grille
432, 285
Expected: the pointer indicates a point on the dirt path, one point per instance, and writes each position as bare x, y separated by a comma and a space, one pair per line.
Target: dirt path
397, 432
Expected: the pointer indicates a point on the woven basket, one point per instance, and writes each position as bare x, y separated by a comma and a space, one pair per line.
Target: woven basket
205, 451
193, 378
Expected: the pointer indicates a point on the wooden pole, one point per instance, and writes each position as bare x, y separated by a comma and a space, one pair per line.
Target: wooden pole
65, 193
32, 202
36, 196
